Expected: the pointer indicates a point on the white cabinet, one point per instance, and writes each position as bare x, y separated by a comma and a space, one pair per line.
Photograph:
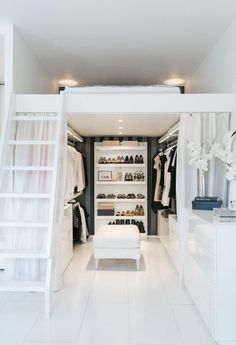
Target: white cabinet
109, 179
168, 231
67, 237
210, 273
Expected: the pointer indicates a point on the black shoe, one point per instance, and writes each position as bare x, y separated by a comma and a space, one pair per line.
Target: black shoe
136, 159
117, 222
126, 160
133, 222
131, 160
122, 222
126, 177
141, 228
141, 159
127, 221
130, 177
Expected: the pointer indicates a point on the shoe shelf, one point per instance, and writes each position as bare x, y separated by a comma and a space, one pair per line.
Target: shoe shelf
118, 184
120, 165
126, 200
120, 217
121, 182
121, 148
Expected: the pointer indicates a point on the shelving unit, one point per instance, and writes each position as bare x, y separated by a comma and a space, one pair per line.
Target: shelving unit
116, 186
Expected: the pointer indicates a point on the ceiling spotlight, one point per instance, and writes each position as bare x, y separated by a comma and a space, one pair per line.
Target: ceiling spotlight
120, 120
120, 133
120, 127
67, 82
174, 82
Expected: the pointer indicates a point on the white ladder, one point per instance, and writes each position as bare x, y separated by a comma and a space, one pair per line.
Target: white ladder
49, 226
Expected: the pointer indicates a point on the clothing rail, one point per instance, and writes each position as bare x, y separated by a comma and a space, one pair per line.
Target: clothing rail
172, 132
73, 134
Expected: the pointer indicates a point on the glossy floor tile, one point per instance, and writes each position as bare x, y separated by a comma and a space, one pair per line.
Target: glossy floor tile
115, 304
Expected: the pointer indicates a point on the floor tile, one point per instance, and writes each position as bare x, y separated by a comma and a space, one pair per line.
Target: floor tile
109, 287
192, 328
105, 324
16, 320
153, 324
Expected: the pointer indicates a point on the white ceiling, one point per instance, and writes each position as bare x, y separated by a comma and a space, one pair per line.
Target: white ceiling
120, 42
1, 60
133, 125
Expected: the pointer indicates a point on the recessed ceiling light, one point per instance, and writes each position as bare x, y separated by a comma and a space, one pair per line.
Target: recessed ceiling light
174, 81
120, 127
120, 133
120, 120
67, 82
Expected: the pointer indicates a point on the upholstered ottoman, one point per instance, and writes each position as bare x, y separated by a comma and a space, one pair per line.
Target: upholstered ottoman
117, 242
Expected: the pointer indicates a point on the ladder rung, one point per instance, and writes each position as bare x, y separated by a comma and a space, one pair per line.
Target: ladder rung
25, 195
23, 225
31, 286
28, 168
34, 118
31, 142
23, 255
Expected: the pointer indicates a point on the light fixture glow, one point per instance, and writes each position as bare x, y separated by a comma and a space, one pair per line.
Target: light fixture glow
120, 120
174, 82
120, 127
68, 82
120, 133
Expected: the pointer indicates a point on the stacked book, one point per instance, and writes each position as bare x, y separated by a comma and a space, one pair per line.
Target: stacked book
206, 203
224, 215
106, 209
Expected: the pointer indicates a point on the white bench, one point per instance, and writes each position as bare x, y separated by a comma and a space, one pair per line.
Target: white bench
117, 242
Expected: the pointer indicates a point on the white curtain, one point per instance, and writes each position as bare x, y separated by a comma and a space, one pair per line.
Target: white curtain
27, 210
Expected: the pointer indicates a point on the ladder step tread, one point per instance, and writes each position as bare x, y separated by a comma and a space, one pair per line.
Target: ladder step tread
25, 195
31, 142
29, 286
28, 168
34, 118
24, 224
24, 255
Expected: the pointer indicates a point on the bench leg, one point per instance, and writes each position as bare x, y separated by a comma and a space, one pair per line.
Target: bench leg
137, 264
96, 263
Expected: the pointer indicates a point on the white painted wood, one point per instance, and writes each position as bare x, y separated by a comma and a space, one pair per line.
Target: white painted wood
34, 118
121, 182
31, 142
37, 103
147, 103
25, 196
26, 168
210, 273
121, 148
120, 165
22, 286
23, 225
126, 201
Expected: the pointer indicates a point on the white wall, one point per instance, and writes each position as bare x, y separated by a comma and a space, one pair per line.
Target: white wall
29, 76
217, 74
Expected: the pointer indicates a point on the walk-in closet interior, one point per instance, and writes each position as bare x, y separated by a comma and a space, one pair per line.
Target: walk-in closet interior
86, 165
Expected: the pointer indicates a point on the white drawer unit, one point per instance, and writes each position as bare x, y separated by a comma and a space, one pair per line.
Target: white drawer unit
210, 273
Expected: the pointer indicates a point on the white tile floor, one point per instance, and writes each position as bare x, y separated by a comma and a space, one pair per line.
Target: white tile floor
115, 305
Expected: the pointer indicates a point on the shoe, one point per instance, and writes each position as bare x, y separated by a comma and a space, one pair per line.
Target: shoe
126, 177
118, 214
141, 228
127, 213
126, 160
122, 222
141, 211
127, 221
118, 160
111, 196
132, 213
136, 160
100, 160
110, 223
114, 223
137, 211
131, 160
132, 196
123, 213
122, 159
140, 196
141, 159
117, 222
133, 222
113, 161
109, 160
130, 177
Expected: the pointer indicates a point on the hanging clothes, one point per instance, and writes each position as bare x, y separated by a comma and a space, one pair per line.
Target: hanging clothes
80, 229
75, 179
172, 171
165, 200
